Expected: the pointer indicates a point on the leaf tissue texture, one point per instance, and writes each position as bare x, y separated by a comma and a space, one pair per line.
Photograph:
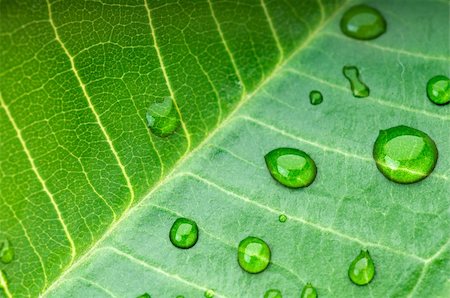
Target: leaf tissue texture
88, 194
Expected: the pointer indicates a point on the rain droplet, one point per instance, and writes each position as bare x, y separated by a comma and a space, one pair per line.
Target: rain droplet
282, 218
145, 295
184, 233
6, 251
359, 89
438, 90
315, 97
363, 22
273, 293
309, 291
291, 167
180, 296
253, 254
162, 118
209, 294
362, 269
404, 154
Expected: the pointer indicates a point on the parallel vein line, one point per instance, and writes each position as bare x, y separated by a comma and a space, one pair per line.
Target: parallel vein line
96, 285
40, 179
91, 106
274, 32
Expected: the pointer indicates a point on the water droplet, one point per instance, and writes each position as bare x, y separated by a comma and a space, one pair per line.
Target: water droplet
315, 97
363, 22
162, 117
273, 293
291, 167
362, 269
282, 218
359, 89
180, 296
145, 295
404, 154
184, 233
253, 254
6, 251
438, 90
209, 294
309, 291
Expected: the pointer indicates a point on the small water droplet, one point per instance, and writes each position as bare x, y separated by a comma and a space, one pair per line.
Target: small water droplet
145, 295
359, 89
209, 294
273, 293
309, 291
282, 218
162, 118
6, 251
291, 167
363, 22
404, 154
362, 270
315, 97
184, 233
180, 296
253, 254
438, 90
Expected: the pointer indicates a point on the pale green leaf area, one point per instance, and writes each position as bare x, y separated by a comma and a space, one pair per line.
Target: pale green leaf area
88, 194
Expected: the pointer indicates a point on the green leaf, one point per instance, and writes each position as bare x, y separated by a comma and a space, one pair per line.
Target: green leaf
88, 194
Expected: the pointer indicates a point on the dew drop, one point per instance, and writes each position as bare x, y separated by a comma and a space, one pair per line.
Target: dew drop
180, 296
145, 295
291, 167
363, 22
6, 251
438, 90
404, 154
359, 89
253, 254
162, 118
184, 233
362, 269
315, 97
273, 293
209, 294
309, 291
282, 218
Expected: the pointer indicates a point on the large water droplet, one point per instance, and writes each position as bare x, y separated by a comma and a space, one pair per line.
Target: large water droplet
309, 291
363, 22
404, 154
273, 293
438, 90
359, 89
315, 97
209, 294
6, 251
362, 269
253, 254
291, 167
184, 233
145, 295
282, 218
162, 117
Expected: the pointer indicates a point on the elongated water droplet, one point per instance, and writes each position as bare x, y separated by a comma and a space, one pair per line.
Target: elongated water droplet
363, 22
145, 295
359, 89
253, 254
273, 293
309, 291
404, 154
6, 251
291, 167
438, 90
162, 117
184, 233
209, 294
282, 218
315, 97
362, 269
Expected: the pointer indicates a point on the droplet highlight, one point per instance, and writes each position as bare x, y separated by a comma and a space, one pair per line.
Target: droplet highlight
291, 167
362, 269
184, 233
315, 97
282, 218
438, 90
163, 118
309, 291
253, 254
209, 294
273, 293
404, 154
359, 89
6, 251
363, 22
